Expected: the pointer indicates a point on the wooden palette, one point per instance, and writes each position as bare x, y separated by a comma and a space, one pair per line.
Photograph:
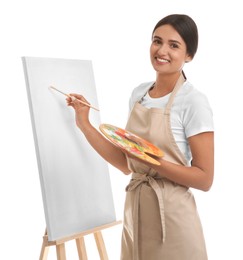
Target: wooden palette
131, 143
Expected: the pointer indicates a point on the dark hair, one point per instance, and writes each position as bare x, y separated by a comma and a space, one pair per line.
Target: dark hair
186, 27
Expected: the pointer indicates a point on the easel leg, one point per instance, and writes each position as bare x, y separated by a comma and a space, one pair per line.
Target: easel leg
61, 254
44, 249
44, 252
81, 248
60, 244
101, 245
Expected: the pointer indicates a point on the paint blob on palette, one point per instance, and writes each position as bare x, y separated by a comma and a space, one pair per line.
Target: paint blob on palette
131, 143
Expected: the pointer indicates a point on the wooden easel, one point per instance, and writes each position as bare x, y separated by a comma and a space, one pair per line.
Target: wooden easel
60, 244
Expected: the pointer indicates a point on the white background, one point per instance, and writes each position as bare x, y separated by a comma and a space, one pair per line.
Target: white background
115, 35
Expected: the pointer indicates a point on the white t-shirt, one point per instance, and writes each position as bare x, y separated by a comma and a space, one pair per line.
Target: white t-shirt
191, 113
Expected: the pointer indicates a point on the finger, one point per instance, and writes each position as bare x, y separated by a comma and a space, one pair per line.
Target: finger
80, 101
69, 99
80, 97
74, 95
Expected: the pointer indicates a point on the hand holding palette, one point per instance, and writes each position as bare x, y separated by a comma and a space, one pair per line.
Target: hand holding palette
131, 143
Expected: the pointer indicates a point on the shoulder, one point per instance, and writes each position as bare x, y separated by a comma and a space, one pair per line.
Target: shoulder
191, 94
196, 111
138, 92
141, 89
191, 98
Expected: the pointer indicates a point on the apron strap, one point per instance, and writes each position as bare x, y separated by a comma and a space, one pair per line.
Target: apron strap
178, 84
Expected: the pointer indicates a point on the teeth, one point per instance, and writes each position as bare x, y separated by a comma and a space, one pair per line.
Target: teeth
162, 60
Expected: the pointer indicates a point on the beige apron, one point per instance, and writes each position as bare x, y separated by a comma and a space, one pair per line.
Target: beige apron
160, 218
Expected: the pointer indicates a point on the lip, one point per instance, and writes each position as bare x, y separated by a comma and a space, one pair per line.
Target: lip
161, 60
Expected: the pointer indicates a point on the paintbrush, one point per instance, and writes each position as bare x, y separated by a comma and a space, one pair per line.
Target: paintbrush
73, 98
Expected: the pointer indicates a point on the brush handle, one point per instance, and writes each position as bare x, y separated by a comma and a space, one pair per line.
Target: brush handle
73, 98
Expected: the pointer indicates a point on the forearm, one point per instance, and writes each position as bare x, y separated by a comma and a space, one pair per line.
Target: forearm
103, 147
108, 151
184, 175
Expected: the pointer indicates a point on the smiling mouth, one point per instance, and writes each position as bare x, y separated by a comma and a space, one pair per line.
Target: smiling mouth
162, 60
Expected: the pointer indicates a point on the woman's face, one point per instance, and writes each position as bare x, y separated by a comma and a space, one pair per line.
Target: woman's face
168, 52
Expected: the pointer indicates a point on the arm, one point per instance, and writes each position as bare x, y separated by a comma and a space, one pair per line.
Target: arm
108, 151
200, 174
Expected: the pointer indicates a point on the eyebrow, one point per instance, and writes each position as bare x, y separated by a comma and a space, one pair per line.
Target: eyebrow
171, 41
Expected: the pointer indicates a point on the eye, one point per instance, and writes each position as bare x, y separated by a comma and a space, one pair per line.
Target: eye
157, 41
174, 45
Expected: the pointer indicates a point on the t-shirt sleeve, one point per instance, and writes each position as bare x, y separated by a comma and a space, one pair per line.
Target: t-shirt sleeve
138, 93
131, 101
198, 115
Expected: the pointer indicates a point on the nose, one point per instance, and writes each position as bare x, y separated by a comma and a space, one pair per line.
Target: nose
163, 49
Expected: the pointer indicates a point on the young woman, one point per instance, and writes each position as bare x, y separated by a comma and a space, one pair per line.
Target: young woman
160, 217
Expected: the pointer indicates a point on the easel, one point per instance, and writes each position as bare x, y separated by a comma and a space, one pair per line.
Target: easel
60, 244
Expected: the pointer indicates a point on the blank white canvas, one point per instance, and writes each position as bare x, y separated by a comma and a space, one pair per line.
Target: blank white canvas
74, 179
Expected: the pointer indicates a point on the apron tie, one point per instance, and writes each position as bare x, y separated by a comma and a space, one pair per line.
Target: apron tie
136, 185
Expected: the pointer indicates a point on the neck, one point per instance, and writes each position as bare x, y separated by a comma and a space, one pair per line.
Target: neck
164, 85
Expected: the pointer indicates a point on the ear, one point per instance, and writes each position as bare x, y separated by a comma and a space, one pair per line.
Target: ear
188, 58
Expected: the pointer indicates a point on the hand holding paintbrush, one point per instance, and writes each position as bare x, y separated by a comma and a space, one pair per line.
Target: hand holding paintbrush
74, 98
